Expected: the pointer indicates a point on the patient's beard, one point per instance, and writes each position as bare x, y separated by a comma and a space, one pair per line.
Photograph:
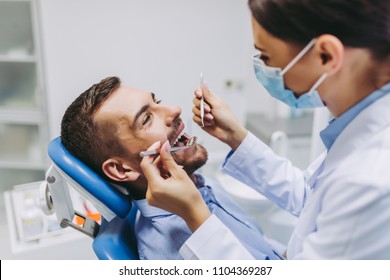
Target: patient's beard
196, 162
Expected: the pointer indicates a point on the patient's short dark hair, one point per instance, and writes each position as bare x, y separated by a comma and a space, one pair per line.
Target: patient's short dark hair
89, 141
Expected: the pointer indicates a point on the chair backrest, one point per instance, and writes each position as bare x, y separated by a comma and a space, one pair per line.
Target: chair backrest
109, 201
116, 237
116, 240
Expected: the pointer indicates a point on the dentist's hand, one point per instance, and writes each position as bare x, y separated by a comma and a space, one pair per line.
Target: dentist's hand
219, 119
170, 188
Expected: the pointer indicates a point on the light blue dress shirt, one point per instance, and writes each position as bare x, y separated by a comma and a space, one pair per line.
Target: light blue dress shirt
160, 234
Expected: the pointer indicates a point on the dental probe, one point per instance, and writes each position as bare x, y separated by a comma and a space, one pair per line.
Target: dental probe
190, 143
201, 101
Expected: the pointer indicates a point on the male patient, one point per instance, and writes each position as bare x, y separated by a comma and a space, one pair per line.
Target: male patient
107, 127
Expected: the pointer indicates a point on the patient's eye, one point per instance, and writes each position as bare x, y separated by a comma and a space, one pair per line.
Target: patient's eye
147, 118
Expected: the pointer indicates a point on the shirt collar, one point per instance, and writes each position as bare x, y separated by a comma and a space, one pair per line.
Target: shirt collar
337, 125
149, 211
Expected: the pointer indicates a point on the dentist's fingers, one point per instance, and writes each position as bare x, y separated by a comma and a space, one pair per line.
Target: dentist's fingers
211, 99
164, 165
198, 120
207, 109
198, 93
173, 191
177, 193
149, 164
155, 146
208, 117
222, 123
196, 112
169, 163
204, 89
196, 102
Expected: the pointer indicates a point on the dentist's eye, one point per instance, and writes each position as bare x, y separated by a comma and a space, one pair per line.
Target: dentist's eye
264, 57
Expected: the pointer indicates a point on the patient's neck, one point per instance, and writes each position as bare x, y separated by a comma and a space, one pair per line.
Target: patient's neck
138, 188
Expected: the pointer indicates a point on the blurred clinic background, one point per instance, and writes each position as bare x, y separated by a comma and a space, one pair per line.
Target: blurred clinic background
52, 50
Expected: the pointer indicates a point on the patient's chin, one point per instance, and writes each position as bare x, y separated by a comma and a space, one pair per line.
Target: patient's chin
193, 163
191, 168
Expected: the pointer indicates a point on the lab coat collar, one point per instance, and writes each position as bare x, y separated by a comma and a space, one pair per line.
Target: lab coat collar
337, 125
360, 130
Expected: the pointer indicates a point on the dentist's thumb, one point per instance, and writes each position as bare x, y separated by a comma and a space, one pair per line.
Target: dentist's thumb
206, 92
211, 99
149, 164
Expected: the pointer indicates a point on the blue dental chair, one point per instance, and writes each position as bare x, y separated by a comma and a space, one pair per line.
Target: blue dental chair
115, 237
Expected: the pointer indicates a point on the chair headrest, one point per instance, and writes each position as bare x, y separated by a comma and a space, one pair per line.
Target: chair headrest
89, 180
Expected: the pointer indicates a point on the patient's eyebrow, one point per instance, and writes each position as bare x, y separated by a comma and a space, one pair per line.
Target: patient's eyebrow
141, 111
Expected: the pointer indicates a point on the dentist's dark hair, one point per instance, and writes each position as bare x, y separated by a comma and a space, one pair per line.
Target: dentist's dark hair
357, 23
81, 135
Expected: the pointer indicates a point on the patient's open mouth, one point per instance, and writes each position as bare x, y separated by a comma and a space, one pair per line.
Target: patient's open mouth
180, 140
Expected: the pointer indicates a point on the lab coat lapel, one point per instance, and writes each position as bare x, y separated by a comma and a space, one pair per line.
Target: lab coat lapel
359, 131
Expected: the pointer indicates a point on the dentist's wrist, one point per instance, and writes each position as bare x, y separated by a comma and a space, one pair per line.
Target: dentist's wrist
197, 215
236, 137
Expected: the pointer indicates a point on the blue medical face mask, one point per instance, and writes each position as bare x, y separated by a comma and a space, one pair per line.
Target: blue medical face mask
272, 79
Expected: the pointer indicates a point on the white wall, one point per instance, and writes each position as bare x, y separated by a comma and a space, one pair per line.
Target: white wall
160, 46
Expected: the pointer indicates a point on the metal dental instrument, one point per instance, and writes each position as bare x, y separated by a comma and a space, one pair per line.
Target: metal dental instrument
189, 144
201, 101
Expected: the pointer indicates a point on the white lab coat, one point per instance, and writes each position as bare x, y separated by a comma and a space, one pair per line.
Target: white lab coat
347, 213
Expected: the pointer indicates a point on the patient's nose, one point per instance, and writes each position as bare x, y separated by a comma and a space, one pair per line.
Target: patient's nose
173, 112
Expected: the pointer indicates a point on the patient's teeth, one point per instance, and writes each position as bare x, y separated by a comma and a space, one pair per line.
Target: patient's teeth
178, 137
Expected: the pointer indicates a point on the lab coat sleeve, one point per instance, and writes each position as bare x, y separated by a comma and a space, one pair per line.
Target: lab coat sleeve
256, 165
214, 241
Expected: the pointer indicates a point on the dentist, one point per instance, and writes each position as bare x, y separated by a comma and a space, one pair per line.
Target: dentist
331, 53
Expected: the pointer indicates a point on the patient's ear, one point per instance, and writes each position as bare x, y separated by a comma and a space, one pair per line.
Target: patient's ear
119, 171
